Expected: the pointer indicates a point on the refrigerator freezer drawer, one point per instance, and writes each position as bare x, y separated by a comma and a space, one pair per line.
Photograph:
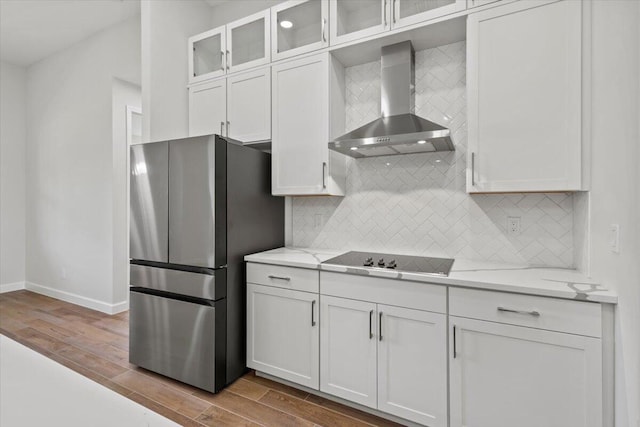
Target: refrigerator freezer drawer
173, 338
176, 281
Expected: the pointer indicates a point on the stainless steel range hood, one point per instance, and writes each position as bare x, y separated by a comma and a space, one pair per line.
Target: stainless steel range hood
398, 131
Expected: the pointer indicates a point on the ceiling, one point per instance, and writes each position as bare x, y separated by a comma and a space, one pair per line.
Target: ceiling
31, 30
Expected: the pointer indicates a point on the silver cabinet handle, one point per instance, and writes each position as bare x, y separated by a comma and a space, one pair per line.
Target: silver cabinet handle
324, 25
288, 279
370, 324
393, 10
221, 128
313, 320
473, 169
380, 326
228, 60
530, 313
455, 353
228, 127
222, 60
384, 12
324, 174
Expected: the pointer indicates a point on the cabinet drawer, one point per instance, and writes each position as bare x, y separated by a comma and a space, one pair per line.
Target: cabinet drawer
299, 279
401, 293
582, 318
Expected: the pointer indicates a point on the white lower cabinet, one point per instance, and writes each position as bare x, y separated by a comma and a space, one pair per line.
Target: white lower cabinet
412, 364
283, 333
389, 358
348, 349
503, 376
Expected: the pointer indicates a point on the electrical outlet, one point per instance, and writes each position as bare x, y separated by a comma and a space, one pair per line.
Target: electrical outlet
614, 238
513, 225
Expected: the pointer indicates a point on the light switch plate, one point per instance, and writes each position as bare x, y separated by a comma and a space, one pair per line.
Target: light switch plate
614, 238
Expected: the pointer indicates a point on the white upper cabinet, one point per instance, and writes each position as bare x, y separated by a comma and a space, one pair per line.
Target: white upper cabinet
248, 42
355, 19
207, 55
208, 108
302, 92
233, 47
408, 12
524, 80
477, 3
249, 105
299, 26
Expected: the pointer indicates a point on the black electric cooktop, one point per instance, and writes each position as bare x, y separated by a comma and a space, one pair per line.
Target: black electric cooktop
401, 263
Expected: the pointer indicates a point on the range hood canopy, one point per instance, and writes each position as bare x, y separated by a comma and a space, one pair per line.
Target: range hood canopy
398, 131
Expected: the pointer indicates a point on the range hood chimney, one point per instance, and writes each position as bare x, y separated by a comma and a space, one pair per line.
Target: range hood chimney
399, 130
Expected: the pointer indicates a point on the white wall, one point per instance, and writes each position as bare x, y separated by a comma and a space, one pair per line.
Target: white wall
615, 182
70, 187
12, 176
233, 10
166, 26
124, 94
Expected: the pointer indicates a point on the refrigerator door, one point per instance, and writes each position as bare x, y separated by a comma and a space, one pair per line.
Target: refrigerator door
207, 284
174, 338
197, 195
149, 233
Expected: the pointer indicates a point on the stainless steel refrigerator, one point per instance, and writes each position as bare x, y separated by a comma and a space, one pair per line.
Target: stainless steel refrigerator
198, 205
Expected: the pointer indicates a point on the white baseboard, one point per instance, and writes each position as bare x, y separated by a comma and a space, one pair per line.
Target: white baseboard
78, 299
10, 287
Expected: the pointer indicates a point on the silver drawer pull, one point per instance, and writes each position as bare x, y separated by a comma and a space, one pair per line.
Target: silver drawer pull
288, 279
509, 310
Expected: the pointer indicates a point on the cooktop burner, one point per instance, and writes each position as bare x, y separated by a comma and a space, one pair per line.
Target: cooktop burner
404, 263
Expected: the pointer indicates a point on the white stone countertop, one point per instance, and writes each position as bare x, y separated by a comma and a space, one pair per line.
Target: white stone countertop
550, 282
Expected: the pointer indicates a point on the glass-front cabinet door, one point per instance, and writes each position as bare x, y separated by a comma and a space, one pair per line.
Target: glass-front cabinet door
248, 42
354, 19
299, 26
407, 12
207, 55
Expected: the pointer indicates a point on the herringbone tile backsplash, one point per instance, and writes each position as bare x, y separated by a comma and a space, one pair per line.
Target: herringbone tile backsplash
417, 203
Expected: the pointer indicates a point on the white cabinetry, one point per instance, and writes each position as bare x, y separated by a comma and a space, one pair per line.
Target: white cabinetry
233, 47
408, 12
352, 20
299, 26
303, 92
282, 333
208, 108
390, 358
477, 3
238, 106
524, 97
507, 369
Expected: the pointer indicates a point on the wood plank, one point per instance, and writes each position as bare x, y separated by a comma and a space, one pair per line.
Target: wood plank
252, 410
57, 331
116, 326
102, 349
101, 334
164, 411
248, 389
352, 412
93, 362
174, 399
276, 385
218, 417
71, 315
40, 339
307, 410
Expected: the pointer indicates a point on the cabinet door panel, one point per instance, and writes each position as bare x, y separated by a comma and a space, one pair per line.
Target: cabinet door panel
412, 365
248, 41
299, 26
208, 108
282, 338
300, 126
207, 55
249, 106
503, 376
525, 97
348, 349
354, 19
408, 12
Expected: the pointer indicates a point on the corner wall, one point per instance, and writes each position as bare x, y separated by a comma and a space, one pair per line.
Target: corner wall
70, 190
12, 176
615, 182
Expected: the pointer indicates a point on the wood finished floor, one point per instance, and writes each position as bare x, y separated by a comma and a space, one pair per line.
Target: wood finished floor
96, 345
